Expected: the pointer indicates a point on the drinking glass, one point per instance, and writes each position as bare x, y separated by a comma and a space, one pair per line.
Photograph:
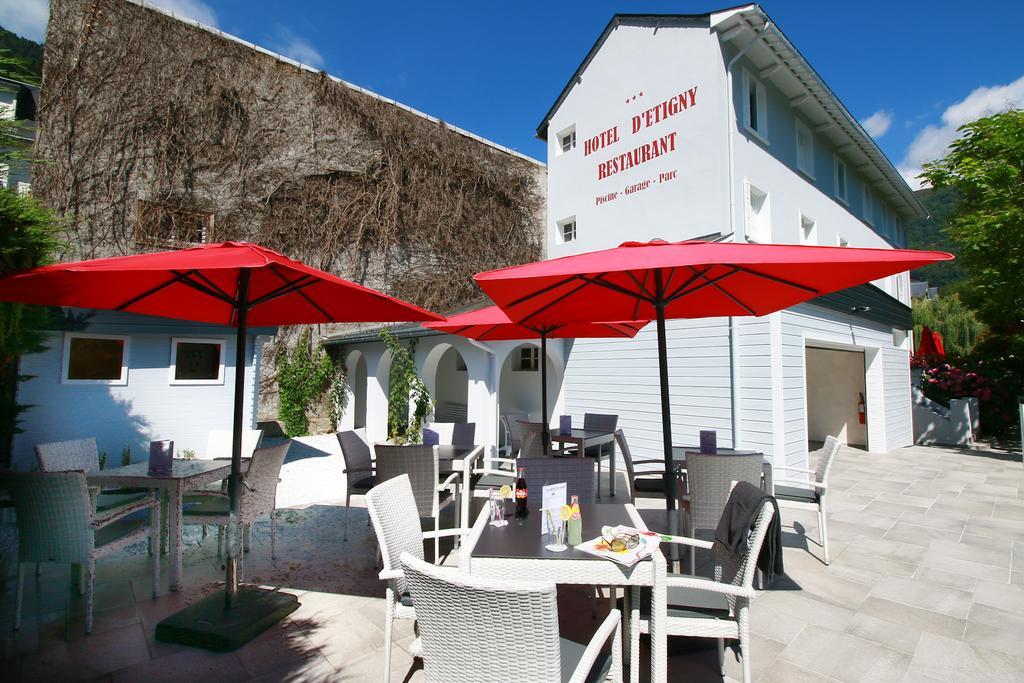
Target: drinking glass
556, 532
497, 510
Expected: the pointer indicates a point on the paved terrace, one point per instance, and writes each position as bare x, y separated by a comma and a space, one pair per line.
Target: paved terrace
927, 584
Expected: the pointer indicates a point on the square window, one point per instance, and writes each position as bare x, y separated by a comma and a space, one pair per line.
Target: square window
759, 227
95, 359
567, 229
528, 359
755, 106
841, 194
804, 149
808, 230
566, 140
197, 361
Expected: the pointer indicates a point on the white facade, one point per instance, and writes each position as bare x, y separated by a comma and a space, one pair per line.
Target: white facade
749, 157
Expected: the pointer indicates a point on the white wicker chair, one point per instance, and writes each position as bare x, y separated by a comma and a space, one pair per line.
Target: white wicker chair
515, 433
395, 518
810, 494
477, 629
54, 512
257, 497
420, 463
81, 455
358, 470
719, 608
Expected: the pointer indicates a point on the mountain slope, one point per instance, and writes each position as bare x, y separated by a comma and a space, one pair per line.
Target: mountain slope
26, 50
927, 233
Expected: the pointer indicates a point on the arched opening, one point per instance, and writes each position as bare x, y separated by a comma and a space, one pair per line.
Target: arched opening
447, 378
519, 382
355, 387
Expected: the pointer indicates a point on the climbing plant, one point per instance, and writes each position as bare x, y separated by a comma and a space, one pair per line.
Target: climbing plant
405, 389
303, 376
338, 395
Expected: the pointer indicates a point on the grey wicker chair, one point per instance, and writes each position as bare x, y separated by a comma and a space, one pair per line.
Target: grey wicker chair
464, 434
257, 497
56, 523
577, 473
810, 494
359, 477
420, 464
478, 629
532, 444
710, 479
81, 455
646, 484
717, 608
395, 519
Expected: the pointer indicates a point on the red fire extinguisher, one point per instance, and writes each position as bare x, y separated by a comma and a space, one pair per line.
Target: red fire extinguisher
861, 410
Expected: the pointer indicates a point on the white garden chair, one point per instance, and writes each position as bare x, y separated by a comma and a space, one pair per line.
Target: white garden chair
56, 523
479, 629
810, 494
396, 522
718, 608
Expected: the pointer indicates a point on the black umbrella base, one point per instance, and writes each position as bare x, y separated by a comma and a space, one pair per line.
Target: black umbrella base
207, 624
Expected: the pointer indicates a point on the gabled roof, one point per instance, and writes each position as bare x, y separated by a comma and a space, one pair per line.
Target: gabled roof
738, 25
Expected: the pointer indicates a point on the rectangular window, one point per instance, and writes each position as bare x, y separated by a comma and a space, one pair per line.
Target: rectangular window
755, 106
567, 140
159, 225
197, 361
841, 194
804, 149
869, 206
567, 229
759, 226
528, 359
808, 230
95, 359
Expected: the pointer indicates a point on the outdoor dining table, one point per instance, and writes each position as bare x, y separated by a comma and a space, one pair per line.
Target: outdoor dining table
516, 551
185, 475
584, 439
461, 459
679, 459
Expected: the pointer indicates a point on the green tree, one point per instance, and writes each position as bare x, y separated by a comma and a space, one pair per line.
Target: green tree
405, 389
303, 375
986, 168
28, 238
947, 315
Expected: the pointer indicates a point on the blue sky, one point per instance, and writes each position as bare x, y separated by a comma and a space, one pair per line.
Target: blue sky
912, 71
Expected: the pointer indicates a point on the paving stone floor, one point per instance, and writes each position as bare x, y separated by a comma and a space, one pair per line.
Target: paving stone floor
926, 584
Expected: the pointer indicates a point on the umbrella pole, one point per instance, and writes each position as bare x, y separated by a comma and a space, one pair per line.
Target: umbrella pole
235, 481
545, 433
666, 410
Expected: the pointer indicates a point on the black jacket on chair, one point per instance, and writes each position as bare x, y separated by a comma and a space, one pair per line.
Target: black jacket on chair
738, 519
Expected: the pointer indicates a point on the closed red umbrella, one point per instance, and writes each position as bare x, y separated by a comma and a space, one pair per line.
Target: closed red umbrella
232, 283
927, 345
662, 280
493, 324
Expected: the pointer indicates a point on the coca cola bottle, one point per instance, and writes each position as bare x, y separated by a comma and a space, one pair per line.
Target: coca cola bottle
522, 508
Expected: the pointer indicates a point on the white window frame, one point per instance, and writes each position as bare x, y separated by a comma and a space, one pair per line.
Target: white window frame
568, 131
761, 103
221, 341
562, 225
764, 215
842, 192
66, 359
802, 127
813, 237
517, 364
869, 206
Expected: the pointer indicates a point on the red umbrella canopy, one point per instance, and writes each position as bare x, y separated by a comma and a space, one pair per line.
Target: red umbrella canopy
927, 345
492, 324
203, 284
692, 279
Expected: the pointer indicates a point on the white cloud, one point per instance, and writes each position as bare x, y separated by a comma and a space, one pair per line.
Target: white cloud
292, 45
27, 18
933, 140
192, 9
878, 123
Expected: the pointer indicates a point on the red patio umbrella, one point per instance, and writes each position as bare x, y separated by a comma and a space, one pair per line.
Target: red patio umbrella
662, 280
493, 324
927, 345
232, 283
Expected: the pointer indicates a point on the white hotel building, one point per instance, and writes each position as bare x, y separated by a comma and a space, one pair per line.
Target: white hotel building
705, 126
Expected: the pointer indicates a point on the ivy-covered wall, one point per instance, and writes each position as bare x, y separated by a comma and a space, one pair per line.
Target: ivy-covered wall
153, 131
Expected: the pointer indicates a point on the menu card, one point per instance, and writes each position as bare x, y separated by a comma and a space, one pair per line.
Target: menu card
552, 496
565, 424
708, 441
431, 438
161, 455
